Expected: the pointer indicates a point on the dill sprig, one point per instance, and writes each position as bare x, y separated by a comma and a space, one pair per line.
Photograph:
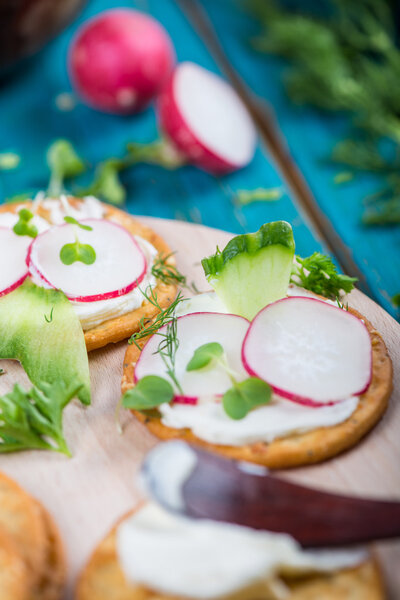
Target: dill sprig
168, 273
167, 349
345, 59
149, 326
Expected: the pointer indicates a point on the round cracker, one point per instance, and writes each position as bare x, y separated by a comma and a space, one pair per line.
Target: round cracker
297, 449
50, 585
103, 579
14, 575
119, 328
21, 519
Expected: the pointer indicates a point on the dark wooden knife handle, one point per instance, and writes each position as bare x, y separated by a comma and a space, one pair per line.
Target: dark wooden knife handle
220, 489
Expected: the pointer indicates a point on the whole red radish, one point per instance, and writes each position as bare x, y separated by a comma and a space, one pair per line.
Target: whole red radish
206, 121
120, 60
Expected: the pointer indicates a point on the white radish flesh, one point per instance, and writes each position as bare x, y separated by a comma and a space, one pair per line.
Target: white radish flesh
309, 351
13, 249
193, 331
119, 267
206, 120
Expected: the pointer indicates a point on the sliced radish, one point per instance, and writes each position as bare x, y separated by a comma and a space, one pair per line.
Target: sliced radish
13, 270
119, 267
309, 351
206, 120
193, 331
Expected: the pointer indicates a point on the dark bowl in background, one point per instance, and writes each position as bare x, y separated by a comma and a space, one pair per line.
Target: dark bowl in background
27, 25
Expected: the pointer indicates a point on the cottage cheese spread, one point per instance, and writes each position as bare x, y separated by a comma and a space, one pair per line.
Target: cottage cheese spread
203, 559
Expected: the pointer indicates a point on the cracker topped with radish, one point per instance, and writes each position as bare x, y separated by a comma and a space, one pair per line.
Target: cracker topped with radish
271, 367
79, 275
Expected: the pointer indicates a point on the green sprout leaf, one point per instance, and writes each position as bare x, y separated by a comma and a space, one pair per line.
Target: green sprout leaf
23, 225
9, 161
64, 163
106, 184
204, 355
242, 397
77, 252
245, 197
148, 393
73, 221
396, 300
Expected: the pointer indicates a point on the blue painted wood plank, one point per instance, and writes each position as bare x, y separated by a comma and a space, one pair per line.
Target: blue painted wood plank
310, 136
30, 120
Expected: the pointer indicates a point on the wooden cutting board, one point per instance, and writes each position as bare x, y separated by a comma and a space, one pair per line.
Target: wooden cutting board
88, 492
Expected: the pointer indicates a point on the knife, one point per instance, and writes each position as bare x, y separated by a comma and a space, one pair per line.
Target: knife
202, 485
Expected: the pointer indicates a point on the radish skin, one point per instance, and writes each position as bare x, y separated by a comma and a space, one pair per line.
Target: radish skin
120, 60
14, 272
311, 338
206, 121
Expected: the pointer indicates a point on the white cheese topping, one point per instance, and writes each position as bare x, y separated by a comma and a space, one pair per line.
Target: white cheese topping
209, 422
202, 559
90, 208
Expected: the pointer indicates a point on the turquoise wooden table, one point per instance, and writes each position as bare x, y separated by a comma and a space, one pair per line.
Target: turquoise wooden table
323, 217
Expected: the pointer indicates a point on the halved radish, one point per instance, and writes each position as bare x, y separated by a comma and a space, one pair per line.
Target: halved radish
194, 330
13, 270
206, 120
309, 351
119, 267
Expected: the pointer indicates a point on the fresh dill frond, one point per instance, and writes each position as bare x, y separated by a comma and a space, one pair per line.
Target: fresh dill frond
344, 58
149, 326
168, 273
167, 349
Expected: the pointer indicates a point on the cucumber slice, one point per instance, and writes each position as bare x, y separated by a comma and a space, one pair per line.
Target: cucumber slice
254, 269
39, 327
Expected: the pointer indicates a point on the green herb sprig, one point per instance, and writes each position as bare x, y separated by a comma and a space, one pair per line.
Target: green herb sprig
318, 274
64, 163
163, 270
24, 226
345, 59
32, 420
244, 197
148, 326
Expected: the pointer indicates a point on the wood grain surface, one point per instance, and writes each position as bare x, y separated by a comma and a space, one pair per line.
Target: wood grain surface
88, 492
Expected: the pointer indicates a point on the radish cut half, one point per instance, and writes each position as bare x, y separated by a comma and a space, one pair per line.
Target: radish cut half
119, 267
309, 351
13, 249
206, 120
194, 330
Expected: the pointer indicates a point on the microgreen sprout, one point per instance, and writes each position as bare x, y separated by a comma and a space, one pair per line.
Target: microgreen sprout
24, 225
76, 251
243, 396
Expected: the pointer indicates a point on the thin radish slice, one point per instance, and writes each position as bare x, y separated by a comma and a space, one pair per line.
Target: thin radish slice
206, 120
119, 267
193, 331
309, 351
13, 270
